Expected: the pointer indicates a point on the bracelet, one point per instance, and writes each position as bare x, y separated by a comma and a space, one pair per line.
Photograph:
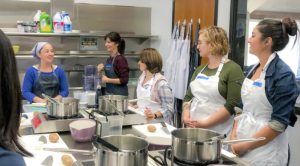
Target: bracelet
155, 116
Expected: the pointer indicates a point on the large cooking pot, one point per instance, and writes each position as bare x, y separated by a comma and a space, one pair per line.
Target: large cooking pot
121, 102
133, 151
65, 107
188, 145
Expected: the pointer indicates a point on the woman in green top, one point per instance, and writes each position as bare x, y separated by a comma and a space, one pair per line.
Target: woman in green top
214, 89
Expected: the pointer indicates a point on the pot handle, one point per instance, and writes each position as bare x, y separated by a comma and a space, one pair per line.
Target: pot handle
243, 140
71, 151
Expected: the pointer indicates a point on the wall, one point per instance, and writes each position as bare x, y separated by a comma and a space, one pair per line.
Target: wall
224, 14
161, 19
289, 54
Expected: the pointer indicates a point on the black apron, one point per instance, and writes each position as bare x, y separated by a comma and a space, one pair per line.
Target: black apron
114, 89
49, 85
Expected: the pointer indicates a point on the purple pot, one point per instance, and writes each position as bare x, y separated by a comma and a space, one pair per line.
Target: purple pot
82, 130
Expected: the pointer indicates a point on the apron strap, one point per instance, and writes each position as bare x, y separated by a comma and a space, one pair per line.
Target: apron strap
220, 66
39, 70
151, 81
112, 63
189, 32
181, 37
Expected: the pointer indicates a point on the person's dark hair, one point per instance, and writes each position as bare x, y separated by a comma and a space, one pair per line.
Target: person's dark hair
10, 99
279, 31
152, 58
115, 37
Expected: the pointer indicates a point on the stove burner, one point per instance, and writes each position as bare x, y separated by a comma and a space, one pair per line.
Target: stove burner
182, 163
76, 116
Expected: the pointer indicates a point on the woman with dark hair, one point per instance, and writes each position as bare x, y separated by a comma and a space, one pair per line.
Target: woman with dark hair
116, 69
11, 151
269, 93
153, 88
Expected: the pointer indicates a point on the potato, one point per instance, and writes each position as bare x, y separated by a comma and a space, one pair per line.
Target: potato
67, 160
35, 113
53, 137
151, 128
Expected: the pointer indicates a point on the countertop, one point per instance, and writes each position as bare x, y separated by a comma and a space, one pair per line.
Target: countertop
69, 141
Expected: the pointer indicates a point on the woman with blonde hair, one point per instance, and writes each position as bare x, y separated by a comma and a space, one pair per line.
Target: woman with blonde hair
153, 88
213, 91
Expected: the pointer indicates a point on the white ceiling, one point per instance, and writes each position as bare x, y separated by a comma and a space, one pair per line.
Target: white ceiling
290, 6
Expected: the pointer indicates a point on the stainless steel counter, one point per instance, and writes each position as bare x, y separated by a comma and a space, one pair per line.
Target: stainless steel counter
69, 141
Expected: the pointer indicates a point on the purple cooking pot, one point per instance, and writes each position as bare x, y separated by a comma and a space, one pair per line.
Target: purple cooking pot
82, 130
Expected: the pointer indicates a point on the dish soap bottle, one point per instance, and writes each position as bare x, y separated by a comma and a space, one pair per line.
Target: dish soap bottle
45, 23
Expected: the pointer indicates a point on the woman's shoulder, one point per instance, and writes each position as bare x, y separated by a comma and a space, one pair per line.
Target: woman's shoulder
31, 70
8, 158
231, 66
121, 57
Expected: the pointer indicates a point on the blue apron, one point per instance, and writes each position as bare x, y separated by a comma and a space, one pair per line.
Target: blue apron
114, 89
48, 85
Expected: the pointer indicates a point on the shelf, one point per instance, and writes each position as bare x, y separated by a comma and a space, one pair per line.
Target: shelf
75, 54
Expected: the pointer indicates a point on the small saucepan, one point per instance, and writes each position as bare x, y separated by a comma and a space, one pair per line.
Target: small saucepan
195, 146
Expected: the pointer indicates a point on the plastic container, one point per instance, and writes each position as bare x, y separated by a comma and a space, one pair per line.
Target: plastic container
20, 27
58, 23
115, 125
36, 19
67, 24
45, 23
63, 13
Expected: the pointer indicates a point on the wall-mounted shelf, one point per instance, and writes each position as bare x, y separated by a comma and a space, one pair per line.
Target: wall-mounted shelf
77, 33
76, 54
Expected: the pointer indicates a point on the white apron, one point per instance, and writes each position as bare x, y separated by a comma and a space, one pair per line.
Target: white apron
182, 73
145, 93
171, 60
256, 114
207, 100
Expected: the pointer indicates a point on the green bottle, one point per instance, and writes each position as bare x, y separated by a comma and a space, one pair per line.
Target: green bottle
45, 23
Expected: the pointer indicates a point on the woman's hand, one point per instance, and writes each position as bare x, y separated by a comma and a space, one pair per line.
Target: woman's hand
238, 149
133, 106
189, 123
149, 113
58, 96
100, 67
39, 100
105, 79
199, 123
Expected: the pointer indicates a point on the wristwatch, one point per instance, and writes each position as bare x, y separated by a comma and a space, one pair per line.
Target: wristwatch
155, 116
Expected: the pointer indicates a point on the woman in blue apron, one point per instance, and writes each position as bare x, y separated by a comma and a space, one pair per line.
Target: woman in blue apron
44, 77
153, 90
116, 70
11, 150
269, 93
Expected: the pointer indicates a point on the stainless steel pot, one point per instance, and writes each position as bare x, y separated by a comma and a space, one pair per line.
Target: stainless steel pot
133, 151
65, 107
121, 102
188, 145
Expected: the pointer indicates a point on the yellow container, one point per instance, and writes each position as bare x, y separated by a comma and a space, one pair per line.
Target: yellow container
16, 49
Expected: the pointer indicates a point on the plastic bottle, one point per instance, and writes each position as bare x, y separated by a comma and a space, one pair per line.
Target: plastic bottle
67, 24
58, 23
45, 23
63, 13
36, 20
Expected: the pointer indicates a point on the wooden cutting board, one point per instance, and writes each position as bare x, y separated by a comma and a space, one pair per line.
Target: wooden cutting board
40, 155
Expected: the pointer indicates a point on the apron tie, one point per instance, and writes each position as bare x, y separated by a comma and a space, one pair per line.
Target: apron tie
246, 116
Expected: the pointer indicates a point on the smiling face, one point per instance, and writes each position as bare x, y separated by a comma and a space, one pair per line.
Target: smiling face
256, 44
46, 54
143, 66
203, 46
111, 46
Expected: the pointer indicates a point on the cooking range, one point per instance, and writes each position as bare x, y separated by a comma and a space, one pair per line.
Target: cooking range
155, 159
